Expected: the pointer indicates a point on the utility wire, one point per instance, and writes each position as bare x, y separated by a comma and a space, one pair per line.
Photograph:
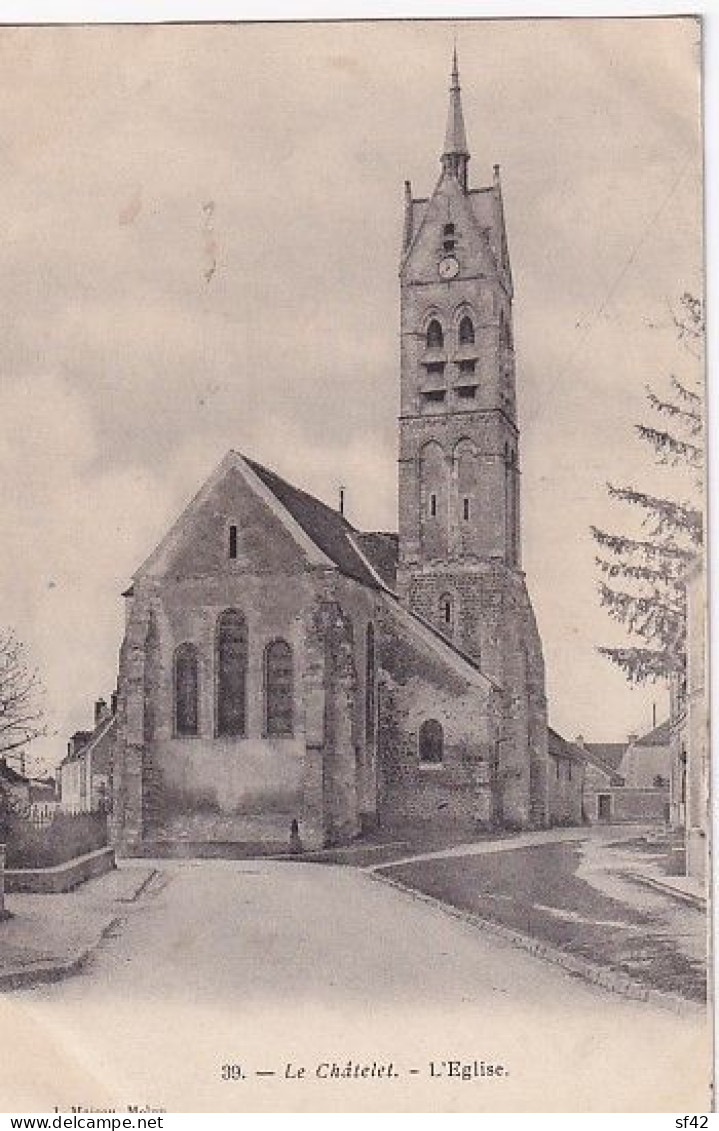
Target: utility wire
614, 286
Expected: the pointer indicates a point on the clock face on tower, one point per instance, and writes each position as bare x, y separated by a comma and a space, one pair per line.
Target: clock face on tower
448, 267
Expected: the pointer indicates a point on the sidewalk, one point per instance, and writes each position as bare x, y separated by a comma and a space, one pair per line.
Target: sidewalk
49, 936
686, 889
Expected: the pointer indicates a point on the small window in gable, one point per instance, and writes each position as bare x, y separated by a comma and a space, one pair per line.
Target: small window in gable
435, 335
433, 506
232, 542
465, 509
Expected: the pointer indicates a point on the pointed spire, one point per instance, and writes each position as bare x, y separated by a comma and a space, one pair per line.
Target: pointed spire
456, 154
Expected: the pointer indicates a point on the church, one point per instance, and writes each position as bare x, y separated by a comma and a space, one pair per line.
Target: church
285, 676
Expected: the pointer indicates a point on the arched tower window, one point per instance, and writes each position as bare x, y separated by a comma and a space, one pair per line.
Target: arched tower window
278, 689
466, 331
466, 498
431, 743
435, 335
186, 690
433, 501
370, 682
231, 674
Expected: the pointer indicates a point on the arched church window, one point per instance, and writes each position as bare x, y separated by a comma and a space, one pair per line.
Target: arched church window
186, 688
278, 689
231, 674
435, 335
466, 331
431, 743
370, 681
232, 542
433, 505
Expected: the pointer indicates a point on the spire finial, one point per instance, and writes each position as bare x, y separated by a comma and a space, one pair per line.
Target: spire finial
455, 66
456, 154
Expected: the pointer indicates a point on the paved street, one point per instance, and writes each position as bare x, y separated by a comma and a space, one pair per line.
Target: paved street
579, 894
262, 963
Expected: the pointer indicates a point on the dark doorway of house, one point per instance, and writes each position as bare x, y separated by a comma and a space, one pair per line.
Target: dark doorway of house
604, 807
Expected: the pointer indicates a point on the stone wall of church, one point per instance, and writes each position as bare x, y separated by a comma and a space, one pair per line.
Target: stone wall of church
250, 788
419, 686
493, 622
341, 709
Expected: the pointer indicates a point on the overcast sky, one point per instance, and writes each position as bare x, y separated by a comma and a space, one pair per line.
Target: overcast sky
139, 161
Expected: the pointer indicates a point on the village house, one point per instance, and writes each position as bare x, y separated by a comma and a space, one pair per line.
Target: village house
628, 781
567, 774
85, 773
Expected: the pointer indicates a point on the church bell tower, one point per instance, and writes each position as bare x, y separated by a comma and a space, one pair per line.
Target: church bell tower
459, 465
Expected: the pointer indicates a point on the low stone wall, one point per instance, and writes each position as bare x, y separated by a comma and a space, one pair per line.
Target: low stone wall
63, 877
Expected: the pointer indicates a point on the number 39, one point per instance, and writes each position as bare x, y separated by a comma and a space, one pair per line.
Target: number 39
232, 1072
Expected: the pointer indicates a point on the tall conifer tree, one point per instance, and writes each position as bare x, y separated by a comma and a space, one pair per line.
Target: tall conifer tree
640, 582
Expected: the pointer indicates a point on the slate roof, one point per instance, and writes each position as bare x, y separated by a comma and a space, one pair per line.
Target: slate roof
382, 549
11, 775
657, 737
560, 748
610, 753
93, 737
327, 528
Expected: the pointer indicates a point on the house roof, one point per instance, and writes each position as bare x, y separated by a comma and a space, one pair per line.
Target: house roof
100, 731
657, 737
610, 753
10, 775
560, 748
607, 757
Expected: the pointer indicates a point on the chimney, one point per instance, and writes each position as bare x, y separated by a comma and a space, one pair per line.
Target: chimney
342, 501
579, 740
100, 711
632, 738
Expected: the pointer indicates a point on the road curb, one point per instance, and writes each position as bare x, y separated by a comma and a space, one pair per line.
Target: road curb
24, 977
597, 975
685, 897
